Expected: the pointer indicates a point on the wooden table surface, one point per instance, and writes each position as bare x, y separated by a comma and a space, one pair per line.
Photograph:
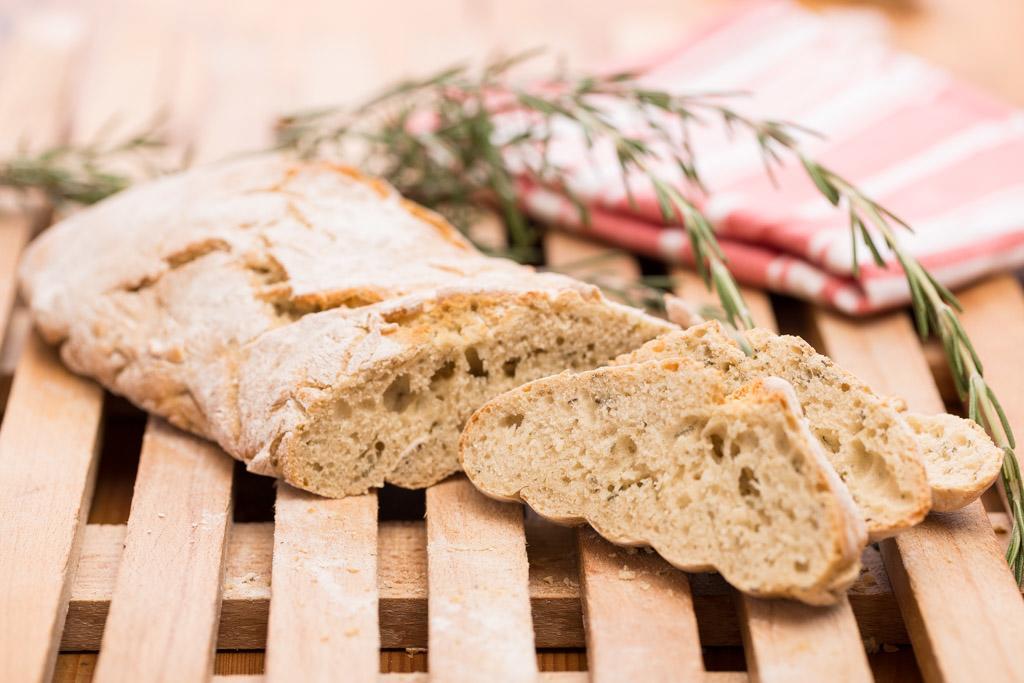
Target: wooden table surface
222, 70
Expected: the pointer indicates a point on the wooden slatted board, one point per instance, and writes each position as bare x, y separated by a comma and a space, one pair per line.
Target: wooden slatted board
199, 568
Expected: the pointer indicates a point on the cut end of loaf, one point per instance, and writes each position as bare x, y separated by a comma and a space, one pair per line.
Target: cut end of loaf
961, 460
400, 423
656, 454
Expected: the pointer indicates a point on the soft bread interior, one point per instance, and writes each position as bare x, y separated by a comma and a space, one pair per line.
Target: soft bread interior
959, 456
863, 435
401, 423
658, 454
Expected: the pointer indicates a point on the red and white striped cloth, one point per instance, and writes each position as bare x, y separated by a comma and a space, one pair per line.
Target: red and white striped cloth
941, 155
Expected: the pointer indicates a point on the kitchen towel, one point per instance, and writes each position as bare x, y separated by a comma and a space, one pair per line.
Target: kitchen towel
941, 155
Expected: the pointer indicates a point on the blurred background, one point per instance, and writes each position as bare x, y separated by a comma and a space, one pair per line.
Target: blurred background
223, 69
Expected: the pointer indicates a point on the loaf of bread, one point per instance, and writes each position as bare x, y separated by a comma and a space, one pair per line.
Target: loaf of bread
896, 464
308, 319
663, 454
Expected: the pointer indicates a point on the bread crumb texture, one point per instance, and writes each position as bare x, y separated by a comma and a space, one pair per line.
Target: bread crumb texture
894, 463
867, 442
308, 319
667, 454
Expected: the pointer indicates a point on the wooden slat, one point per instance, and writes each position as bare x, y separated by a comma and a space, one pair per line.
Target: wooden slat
783, 639
961, 606
994, 318
402, 582
479, 610
163, 614
50, 429
323, 613
635, 585
48, 445
788, 641
640, 622
166, 603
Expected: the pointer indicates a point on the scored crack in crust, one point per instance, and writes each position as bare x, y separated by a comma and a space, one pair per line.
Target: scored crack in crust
310, 320
665, 454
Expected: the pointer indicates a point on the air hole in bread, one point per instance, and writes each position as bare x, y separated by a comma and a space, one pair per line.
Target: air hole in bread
398, 396
860, 460
717, 447
509, 367
624, 446
444, 372
512, 420
688, 425
476, 365
829, 439
748, 483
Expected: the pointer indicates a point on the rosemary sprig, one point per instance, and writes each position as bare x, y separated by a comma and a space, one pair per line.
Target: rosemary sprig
440, 141
82, 174
935, 312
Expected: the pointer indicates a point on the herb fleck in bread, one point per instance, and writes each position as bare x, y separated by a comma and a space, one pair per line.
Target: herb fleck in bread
869, 444
308, 319
659, 453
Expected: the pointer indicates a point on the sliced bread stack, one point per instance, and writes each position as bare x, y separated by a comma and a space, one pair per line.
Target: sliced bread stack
773, 469
897, 465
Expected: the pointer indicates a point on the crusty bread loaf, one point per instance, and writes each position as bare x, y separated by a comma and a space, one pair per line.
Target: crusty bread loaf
659, 453
959, 456
310, 320
864, 436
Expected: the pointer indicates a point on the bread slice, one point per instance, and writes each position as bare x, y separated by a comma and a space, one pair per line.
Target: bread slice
961, 460
309, 319
864, 436
659, 454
